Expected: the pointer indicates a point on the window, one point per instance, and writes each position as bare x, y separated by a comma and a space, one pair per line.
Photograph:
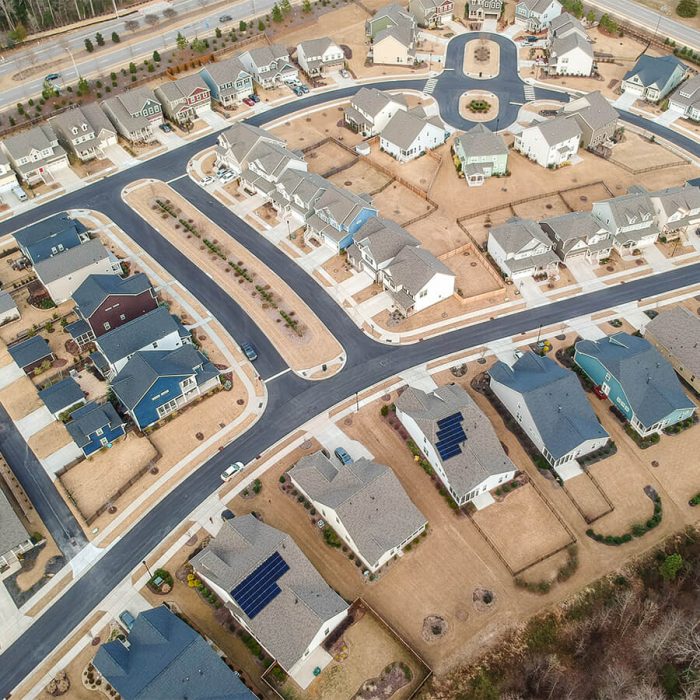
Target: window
167, 407
106, 325
122, 317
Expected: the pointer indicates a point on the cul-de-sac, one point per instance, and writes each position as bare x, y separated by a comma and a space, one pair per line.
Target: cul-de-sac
350, 349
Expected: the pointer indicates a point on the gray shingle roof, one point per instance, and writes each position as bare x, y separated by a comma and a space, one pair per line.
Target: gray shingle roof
12, 532
367, 497
182, 88
372, 101
414, 267
515, 235
481, 141
316, 47
654, 70
537, 6
39, 137
634, 207
561, 45
683, 200
89, 114
62, 395
557, 130
383, 238
29, 351
96, 288
71, 261
91, 417
7, 303
564, 22
404, 128
288, 623
241, 138
677, 330
227, 71
593, 109
553, 395
688, 93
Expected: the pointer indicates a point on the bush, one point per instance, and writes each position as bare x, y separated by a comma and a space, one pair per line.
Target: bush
384, 410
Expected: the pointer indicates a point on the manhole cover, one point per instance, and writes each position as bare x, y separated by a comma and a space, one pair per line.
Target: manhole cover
306, 445
347, 183
473, 264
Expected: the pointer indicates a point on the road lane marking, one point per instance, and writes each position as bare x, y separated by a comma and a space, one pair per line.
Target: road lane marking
279, 374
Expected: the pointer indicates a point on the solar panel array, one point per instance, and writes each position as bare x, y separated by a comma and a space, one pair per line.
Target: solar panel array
260, 587
449, 436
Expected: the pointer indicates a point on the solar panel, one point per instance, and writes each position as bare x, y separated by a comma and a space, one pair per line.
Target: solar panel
448, 420
260, 587
446, 453
450, 435
447, 433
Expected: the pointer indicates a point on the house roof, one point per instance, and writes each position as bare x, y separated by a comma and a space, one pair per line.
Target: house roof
630, 208
127, 106
677, 330
481, 141
40, 238
12, 532
654, 70
367, 497
89, 114
91, 417
39, 137
414, 267
182, 88
70, 261
166, 659
316, 47
481, 453
342, 205
688, 93
7, 303
265, 55
648, 380
383, 238
29, 351
573, 227
372, 101
62, 395
405, 127
553, 395
561, 45
593, 109
565, 22
241, 138
683, 200
227, 71
557, 130
290, 621
536, 6
518, 234
96, 288
395, 14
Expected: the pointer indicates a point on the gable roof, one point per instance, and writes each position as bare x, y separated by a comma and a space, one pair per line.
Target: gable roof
182, 88
91, 417
688, 93
70, 261
37, 138
557, 130
481, 141
29, 351
536, 6
7, 303
561, 45
96, 288
682, 200
61, 395
89, 114
12, 532
226, 71
316, 47
654, 70
383, 238
414, 267
405, 127
40, 238
241, 138
593, 109
372, 101
565, 22
677, 330
633, 207
573, 227
517, 234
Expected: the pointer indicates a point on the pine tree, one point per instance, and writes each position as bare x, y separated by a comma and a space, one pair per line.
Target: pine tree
261, 25
687, 8
88, 46
276, 13
306, 7
99, 39
181, 42
156, 57
242, 26
115, 38
286, 7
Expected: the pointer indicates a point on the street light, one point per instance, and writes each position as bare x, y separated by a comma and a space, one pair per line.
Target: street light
75, 68
150, 575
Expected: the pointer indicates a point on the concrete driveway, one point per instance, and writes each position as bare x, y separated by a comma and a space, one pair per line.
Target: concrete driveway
10, 373
170, 140
34, 422
120, 157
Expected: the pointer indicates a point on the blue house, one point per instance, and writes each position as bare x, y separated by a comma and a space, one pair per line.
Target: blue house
50, 237
637, 379
153, 384
166, 659
94, 426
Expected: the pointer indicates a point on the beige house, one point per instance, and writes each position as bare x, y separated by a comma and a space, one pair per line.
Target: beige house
392, 35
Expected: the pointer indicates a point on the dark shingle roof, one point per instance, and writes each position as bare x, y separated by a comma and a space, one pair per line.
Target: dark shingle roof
61, 395
654, 70
12, 532
91, 417
29, 351
41, 237
96, 288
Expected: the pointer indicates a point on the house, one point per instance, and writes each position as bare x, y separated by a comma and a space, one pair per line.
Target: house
411, 133
135, 114
104, 302
164, 658
630, 218
481, 154
184, 99
653, 77
456, 438
549, 404
94, 426
686, 99
570, 50
392, 34
520, 248
228, 81
62, 396
296, 193
35, 154
363, 502
675, 333
154, 383
578, 234
31, 353
14, 539
49, 237
274, 592
551, 143
235, 145
431, 13
265, 164
316, 56
595, 116
62, 274
8, 179
370, 110
633, 374
84, 131
480, 10
8, 309
677, 210
536, 15
155, 330
269, 65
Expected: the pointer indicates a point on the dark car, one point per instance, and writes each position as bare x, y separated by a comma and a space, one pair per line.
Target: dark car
342, 455
225, 18
254, 97
165, 127
227, 515
249, 351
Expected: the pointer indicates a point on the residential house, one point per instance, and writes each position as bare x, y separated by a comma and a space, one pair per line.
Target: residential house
595, 116
549, 404
31, 353
84, 131
35, 154
155, 330
536, 15
686, 99
392, 33
164, 658
296, 193
269, 65
8, 179
274, 592
411, 133
677, 210
316, 56
105, 302
235, 145
49, 237
94, 426
551, 143
457, 439
228, 81
364, 503
8, 309
62, 274
154, 383
135, 114
520, 248
265, 164
634, 375
14, 539
481, 154
480, 10
675, 333
578, 234
62, 396
570, 49
184, 99
653, 77
370, 110
631, 219
431, 13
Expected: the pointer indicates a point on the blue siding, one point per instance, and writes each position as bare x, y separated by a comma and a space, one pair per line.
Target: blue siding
94, 445
211, 84
360, 219
165, 389
599, 375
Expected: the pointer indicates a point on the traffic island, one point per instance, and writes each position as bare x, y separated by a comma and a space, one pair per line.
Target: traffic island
478, 106
482, 59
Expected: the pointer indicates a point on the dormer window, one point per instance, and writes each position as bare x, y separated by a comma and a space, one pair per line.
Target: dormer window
75, 129
84, 127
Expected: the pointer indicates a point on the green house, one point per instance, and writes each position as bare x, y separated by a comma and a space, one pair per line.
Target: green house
481, 154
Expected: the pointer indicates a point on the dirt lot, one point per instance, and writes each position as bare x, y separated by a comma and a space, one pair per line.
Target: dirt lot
316, 126
328, 156
419, 172
472, 276
361, 178
631, 154
51, 438
587, 496
400, 204
20, 398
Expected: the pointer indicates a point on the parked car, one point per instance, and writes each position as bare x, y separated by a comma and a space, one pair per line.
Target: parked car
227, 514
344, 73
127, 619
165, 127
254, 97
19, 193
207, 180
248, 101
232, 470
342, 455
530, 39
599, 393
303, 88
225, 176
51, 77
225, 18
249, 351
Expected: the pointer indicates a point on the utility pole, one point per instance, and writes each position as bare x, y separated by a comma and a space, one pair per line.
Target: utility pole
75, 68
150, 575
116, 11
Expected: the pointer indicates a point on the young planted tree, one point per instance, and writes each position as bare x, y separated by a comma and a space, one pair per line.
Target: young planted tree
115, 38
198, 45
242, 26
286, 7
99, 39
277, 13
89, 46
181, 42
306, 7
156, 57
261, 25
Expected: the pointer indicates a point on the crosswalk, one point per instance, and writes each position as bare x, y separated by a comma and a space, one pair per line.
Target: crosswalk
529, 93
430, 86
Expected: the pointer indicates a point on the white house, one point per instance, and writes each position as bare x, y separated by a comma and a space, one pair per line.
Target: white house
363, 502
35, 155
686, 100
431, 13
551, 143
14, 539
8, 179
631, 219
457, 439
8, 309
316, 56
677, 209
536, 15
570, 49
85, 131
410, 134
596, 118
269, 65
653, 77
370, 110
521, 248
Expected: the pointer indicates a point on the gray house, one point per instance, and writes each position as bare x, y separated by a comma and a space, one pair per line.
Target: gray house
228, 81
480, 10
631, 219
8, 309
269, 65
14, 538
521, 248
653, 77
184, 99
35, 155
84, 131
686, 100
596, 118
431, 13
578, 234
481, 154
677, 210
135, 114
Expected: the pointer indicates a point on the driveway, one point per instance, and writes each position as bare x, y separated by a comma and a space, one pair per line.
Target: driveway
625, 101
34, 422
170, 140
58, 459
120, 157
10, 373
215, 120
584, 273
654, 257
531, 292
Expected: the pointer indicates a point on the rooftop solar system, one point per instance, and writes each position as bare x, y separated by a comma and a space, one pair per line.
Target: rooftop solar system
260, 587
449, 436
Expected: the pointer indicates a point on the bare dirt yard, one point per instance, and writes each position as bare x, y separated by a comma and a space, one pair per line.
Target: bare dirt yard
313, 127
399, 203
419, 172
361, 178
49, 439
327, 156
637, 153
585, 494
20, 398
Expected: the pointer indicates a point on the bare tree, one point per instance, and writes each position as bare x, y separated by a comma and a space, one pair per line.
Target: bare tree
131, 25
169, 13
615, 681
151, 20
656, 642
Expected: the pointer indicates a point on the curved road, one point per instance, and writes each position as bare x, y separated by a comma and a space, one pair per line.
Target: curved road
292, 401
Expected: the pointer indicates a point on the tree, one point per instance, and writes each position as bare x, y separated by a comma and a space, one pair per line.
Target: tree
151, 20
115, 38
88, 46
687, 8
218, 33
306, 7
286, 7
277, 13
83, 86
156, 57
132, 68
169, 13
181, 42
261, 25
99, 39
670, 566
242, 26
131, 25
198, 45
18, 34
590, 17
